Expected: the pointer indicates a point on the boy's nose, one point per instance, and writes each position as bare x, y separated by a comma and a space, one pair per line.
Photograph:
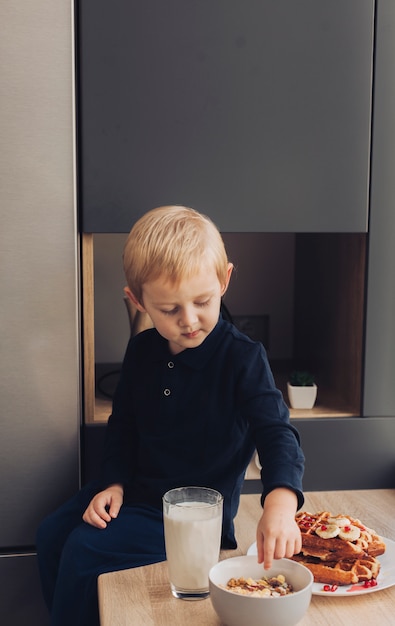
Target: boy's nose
188, 317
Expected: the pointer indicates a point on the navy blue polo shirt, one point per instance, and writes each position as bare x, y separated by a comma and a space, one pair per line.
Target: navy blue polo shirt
195, 418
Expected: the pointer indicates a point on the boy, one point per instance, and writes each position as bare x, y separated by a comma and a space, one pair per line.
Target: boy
194, 400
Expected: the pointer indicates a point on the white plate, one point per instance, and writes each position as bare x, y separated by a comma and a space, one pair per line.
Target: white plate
385, 579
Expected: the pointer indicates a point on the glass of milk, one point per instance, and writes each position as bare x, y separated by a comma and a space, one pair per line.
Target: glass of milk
193, 522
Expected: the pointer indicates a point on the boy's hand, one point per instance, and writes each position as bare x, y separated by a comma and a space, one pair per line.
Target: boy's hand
104, 506
278, 535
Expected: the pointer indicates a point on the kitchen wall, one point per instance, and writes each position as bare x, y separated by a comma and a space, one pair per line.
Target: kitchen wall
262, 284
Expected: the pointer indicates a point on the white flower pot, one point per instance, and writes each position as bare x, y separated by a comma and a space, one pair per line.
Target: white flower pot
302, 397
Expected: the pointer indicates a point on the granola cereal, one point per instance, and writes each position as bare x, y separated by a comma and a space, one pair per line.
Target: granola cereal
264, 587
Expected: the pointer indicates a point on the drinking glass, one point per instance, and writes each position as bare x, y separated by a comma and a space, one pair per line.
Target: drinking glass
193, 522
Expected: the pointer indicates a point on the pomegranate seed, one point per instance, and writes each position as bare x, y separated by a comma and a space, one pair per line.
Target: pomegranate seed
347, 529
326, 588
323, 527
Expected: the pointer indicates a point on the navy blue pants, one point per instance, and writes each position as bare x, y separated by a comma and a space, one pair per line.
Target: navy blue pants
71, 555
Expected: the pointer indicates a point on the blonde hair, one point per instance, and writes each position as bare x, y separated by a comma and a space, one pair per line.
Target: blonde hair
174, 242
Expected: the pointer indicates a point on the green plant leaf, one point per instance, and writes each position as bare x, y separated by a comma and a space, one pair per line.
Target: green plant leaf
301, 379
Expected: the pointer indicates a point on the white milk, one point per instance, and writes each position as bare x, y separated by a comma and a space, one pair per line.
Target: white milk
192, 544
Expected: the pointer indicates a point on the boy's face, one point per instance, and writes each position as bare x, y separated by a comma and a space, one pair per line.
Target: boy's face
186, 313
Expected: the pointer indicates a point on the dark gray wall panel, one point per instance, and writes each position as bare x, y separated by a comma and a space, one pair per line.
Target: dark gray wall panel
348, 453
257, 113
379, 396
342, 453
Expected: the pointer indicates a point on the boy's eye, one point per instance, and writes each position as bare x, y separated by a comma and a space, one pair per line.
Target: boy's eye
175, 310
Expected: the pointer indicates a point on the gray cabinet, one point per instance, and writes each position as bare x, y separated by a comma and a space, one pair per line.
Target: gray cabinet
257, 113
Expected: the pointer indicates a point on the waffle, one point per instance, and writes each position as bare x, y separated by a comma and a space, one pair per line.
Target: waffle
340, 572
318, 542
376, 545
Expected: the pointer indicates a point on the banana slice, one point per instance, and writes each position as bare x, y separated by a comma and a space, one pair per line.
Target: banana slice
350, 533
328, 531
340, 521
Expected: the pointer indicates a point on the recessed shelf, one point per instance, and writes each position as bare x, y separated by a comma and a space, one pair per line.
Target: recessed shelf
328, 323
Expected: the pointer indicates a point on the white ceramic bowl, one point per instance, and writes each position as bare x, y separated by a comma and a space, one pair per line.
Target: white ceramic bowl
238, 610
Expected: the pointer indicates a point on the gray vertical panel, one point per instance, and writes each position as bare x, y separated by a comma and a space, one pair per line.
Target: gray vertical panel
39, 365
379, 394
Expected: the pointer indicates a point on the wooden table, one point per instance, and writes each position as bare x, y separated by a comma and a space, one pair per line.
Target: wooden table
142, 597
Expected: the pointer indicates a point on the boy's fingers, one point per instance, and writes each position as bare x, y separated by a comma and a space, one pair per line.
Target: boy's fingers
268, 553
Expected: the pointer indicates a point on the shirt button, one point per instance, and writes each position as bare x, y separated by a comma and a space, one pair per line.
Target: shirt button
170, 364
167, 392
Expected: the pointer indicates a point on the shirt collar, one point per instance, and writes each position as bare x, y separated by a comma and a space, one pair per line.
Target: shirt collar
195, 357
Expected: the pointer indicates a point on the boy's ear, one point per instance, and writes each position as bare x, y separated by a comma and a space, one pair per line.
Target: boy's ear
133, 299
228, 275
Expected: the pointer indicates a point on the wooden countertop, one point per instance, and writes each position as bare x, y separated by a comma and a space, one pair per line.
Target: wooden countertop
142, 596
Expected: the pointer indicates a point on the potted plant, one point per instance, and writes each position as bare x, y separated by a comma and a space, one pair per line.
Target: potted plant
302, 390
